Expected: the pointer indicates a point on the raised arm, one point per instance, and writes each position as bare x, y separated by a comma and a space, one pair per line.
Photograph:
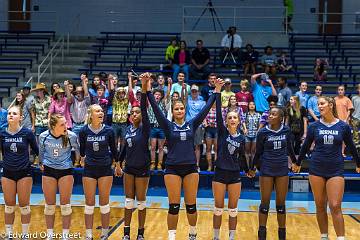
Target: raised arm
69, 96
306, 145
254, 77
219, 117
145, 117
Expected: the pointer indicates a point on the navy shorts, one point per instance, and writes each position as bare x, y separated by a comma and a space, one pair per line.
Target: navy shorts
181, 170
17, 175
57, 173
226, 176
250, 139
211, 132
137, 172
157, 133
96, 172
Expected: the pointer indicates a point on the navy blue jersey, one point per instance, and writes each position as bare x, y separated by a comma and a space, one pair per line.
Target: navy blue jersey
15, 148
97, 145
272, 150
136, 152
181, 148
231, 148
327, 159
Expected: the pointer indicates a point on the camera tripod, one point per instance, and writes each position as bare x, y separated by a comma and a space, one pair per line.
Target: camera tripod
210, 7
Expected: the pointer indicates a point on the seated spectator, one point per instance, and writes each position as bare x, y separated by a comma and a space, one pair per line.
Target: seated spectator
262, 91
200, 58
170, 51
284, 92
269, 61
226, 93
250, 59
231, 44
302, 94
284, 63
61, 105
272, 101
208, 90
243, 97
312, 105
320, 73
182, 60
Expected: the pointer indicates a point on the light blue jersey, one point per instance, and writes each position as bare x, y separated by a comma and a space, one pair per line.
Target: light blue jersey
52, 152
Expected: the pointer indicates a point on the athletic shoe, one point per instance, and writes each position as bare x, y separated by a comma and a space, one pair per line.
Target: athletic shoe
140, 237
192, 236
126, 237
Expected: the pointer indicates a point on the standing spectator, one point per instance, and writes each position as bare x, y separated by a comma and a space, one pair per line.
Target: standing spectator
182, 60
226, 93
243, 97
252, 123
3, 116
284, 92
262, 91
320, 73
272, 101
250, 58
40, 109
344, 106
61, 105
95, 83
101, 100
231, 44
200, 59
53, 88
26, 91
355, 120
170, 51
269, 61
284, 63
134, 80
211, 136
160, 83
177, 87
112, 78
312, 105
25, 107
302, 94
232, 106
208, 90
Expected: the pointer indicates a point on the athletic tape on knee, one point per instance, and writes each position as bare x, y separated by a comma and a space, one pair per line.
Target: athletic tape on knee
233, 212
66, 209
89, 210
9, 209
129, 203
191, 208
25, 210
280, 209
218, 211
141, 205
49, 209
105, 209
174, 208
264, 209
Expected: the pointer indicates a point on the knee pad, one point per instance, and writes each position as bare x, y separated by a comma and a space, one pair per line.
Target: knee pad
264, 209
105, 209
89, 210
191, 209
49, 209
218, 211
25, 210
233, 212
9, 209
129, 203
174, 208
141, 205
66, 209
281, 209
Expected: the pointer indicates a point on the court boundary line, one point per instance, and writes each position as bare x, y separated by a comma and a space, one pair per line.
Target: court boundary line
118, 224
353, 217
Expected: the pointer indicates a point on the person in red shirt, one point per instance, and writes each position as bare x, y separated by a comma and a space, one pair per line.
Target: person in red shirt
244, 96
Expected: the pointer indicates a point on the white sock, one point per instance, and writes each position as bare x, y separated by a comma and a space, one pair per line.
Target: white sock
324, 236
66, 233
232, 234
50, 233
104, 231
25, 228
216, 233
172, 235
192, 230
340, 238
8, 229
88, 233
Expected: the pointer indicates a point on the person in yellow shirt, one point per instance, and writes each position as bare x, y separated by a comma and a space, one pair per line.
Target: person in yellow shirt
170, 51
226, 93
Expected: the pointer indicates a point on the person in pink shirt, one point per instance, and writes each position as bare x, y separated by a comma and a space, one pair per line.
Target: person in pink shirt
244, 96
61, 105
181, 61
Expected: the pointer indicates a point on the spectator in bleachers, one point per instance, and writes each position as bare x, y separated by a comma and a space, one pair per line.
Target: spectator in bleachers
200, 58
269, 61
40, 109
272, 101
252, 123
320, 73
226, 93
355, 120
112, 78
3, 116
296, 119
135, 88
95, 83
231, 44
302, 94
250, 59
170, 51
71, 86
61, 105
344, 106
262, 91
243, 97
211, 136
29, 98
283, 63
193, 108
182, 61
101, 100
284, 92
25, 107
208, 90
160, 83
53, 88
177, 87
232, 106
312, 105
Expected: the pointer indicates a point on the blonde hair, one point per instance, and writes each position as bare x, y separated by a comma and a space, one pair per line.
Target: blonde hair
331, 100
297, 107
53, 120
89, 113
19, 108
246, 82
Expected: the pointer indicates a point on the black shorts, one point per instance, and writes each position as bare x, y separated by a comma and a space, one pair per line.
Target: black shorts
137, 172
57, 173
181, 170
96, 172
17, 175
226, 177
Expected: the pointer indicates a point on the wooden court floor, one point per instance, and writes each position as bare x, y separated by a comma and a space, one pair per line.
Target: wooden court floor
299, 226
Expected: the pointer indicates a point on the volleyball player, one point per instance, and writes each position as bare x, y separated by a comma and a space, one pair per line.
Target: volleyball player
55, 147
231, 158
137, 163
326, 168
181, 168
95, 140
16, 177
271, 159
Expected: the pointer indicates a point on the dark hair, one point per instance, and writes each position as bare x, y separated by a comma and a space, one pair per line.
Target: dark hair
212, 75
249, 45
272, 99
183, 41
284, 79
281, 112
52, 88
267, 47
199, 41
173, 39
100, 87
84, 73
159, 91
